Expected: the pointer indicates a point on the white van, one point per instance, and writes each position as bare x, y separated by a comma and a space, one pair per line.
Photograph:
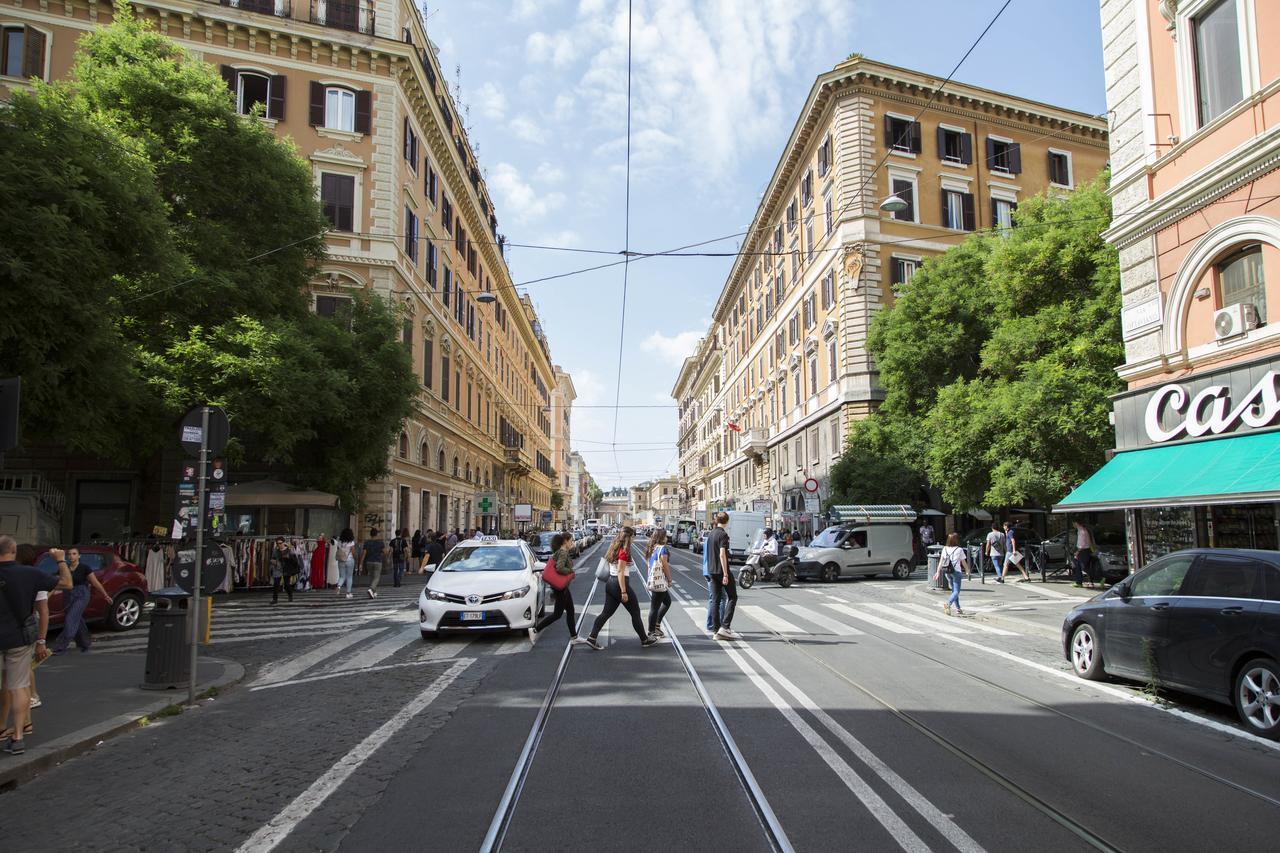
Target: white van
861, 550
743, 528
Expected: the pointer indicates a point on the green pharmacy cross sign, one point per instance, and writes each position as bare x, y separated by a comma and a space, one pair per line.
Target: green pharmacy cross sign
487, 502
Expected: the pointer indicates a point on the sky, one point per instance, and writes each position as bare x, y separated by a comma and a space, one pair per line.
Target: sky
716, 87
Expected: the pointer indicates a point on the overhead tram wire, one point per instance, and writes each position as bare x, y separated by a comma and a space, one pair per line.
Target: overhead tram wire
626, 250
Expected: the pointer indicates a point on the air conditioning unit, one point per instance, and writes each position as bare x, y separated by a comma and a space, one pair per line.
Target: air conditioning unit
1235, 320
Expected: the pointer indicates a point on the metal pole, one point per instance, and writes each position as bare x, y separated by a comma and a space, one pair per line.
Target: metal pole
194, 614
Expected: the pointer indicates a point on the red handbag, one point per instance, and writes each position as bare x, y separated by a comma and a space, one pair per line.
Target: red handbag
553, 578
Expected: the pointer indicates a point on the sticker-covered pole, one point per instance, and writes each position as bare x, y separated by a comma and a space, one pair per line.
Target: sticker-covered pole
194, 613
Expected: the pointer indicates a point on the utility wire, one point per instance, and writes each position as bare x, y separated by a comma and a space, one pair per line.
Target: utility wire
626, 250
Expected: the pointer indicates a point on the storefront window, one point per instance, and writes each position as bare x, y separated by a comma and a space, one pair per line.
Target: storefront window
1167, 529
1244, 526
1240, 279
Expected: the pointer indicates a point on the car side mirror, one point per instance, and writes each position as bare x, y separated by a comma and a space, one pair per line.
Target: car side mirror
1122, 590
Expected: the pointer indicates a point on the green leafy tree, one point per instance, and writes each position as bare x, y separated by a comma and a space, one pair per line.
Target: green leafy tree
557, 499
199, 231
873, 468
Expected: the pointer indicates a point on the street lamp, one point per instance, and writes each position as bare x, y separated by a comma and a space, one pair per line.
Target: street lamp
486, 297
894, 204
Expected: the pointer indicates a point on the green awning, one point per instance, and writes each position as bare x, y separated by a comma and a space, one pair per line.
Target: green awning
1239, 469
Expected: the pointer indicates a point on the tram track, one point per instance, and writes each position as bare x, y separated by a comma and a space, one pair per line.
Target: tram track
510, 800
1084, 833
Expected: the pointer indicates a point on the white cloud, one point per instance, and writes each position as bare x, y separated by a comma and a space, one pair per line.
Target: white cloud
524, 9
548, 173
527, 129
490, 101
673, 349
559, 49
519, 198
563, 107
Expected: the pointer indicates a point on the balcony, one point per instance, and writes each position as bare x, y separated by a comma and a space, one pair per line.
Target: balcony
516, 460
755, 442
351, 15
277, 8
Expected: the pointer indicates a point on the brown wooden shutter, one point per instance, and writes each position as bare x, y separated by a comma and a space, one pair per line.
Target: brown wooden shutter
888, 132
405, 153
275, 97
966, 149
895, 271
364, 111
229, 75
995, 214
942, 143
33, 42
916, 146
970, 217
315, 111
991, 153
945, 222
1015, 158
346, 198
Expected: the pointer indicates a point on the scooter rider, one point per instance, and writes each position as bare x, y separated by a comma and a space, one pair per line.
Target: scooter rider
768, 550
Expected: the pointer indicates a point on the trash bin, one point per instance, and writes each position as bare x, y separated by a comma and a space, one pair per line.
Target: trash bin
933, 554
169, 640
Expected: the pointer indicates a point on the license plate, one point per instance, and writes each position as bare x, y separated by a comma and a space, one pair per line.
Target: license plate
473, 616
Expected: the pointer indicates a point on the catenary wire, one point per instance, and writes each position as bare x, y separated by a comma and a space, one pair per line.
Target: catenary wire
626, 243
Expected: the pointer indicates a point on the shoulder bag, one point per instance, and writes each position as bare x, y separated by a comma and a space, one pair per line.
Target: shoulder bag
554, 579
30, 628
602, 570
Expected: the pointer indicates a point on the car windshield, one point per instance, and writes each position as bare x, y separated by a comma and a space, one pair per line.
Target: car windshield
544, 539
482, 558
828, 538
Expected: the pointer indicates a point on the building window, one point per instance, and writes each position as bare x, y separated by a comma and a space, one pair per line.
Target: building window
901, 135
806, 188
404, 446
810, 310
411, 234
955, 146
1060, 168
835, 437
1004, 156
902, 269
1002, 213
824, 157
957, 210
792, 215
444, 390
799, 390
410, 146
338, 198
828, 290
446, 213
433, 260
905, 189
808, 238
446, 295
251, 90
1240, 279
428, 366
22, 52
432, 182
333, 306
832, 361
340, 109
406, 334
1219, 71
813, 373
777, 240
827, 210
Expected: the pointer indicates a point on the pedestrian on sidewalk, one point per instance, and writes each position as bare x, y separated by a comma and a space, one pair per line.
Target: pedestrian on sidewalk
433, 554
952, 562
419, 546
371, 555
712, 607
20, 641
618, 591
659, 581
451, 541
84, 584
1082, 563
399, 556
994, 547
1013, 556
562, 564
346, 557
284, 570
722, 579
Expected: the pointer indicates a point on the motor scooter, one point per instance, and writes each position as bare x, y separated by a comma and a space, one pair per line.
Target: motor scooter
783, 571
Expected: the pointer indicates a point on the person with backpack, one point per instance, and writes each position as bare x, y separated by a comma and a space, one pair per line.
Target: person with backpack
399, 556
559, 574
994, 548
950, 564
659, 582
618, 591
345, 554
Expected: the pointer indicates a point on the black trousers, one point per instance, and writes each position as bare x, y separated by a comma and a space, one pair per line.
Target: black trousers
612, 600
564, 604
1081, 565
728, 590
659, 604
287, 583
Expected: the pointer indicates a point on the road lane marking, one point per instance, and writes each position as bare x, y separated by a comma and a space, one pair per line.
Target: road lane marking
325, 676
891, 627
874, 803
833, 625
375, 653
515, 645
290, 667
446, 649
939, 821
278, 828
771, 621
971, 625
939, 625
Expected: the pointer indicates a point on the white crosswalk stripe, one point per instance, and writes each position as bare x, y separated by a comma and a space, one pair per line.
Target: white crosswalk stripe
833, 625
939, 625
770, 620
287, 669
384, 648
879, 622
971, 625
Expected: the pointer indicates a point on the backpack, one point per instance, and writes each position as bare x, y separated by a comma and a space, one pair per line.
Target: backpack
398, 548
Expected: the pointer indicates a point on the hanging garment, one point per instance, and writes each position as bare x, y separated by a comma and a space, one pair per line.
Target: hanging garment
155, 568
230, 556
331, 566
317, 564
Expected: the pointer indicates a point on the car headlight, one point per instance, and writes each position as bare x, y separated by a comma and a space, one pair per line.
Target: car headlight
515, 593
436, 596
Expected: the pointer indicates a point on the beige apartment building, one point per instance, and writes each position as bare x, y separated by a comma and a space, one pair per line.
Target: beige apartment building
765, 401
357, 85
562, 396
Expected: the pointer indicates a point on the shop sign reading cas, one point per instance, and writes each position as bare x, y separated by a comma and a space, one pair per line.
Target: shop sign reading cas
1212, 411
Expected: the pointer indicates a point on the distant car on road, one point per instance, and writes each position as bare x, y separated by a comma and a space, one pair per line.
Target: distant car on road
123, 582
1204, 621
484, 584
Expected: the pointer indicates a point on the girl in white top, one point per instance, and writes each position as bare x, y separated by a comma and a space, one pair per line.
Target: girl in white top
952, 561
344, 551
659, 581
618, 591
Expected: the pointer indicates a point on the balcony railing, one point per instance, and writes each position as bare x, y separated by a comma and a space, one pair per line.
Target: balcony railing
516, 459
756, 441
278, 8
350, 15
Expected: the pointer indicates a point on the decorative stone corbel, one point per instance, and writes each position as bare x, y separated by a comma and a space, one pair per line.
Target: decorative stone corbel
1169, 11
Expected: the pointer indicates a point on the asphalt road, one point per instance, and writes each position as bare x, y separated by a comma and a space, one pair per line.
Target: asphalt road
867, 719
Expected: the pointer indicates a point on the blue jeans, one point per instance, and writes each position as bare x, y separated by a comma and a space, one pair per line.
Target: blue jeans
346, 569
397, 573
954, 578
997, 560
711, 605
74, 603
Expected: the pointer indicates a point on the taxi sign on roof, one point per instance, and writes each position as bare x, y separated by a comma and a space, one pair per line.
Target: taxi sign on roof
486, 537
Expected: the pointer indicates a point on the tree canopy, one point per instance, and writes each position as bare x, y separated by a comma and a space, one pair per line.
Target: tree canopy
166, 243
998, 360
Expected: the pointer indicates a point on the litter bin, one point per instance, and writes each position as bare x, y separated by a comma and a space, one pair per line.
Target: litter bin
168, 640
934, 554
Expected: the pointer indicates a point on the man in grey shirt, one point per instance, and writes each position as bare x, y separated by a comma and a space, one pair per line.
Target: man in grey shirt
371, 560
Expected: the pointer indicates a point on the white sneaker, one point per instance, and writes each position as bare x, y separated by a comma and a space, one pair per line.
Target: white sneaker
348, 596
35, 702
725, 634
533, 635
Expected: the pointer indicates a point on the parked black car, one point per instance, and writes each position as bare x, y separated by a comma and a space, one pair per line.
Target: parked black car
1204, 621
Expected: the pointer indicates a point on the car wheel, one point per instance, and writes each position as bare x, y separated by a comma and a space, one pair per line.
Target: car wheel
1086, 654
125, 611
1257, 697
830, 572
901, 570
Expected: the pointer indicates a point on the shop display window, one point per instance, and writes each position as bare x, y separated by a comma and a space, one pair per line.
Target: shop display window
1166, 529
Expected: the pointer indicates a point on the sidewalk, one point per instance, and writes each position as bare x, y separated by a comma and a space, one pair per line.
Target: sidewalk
1032, 607
88, 698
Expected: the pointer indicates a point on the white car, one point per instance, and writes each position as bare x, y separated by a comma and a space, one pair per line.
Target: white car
484, 584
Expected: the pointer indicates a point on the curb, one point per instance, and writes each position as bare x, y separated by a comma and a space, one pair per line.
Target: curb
90, 737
